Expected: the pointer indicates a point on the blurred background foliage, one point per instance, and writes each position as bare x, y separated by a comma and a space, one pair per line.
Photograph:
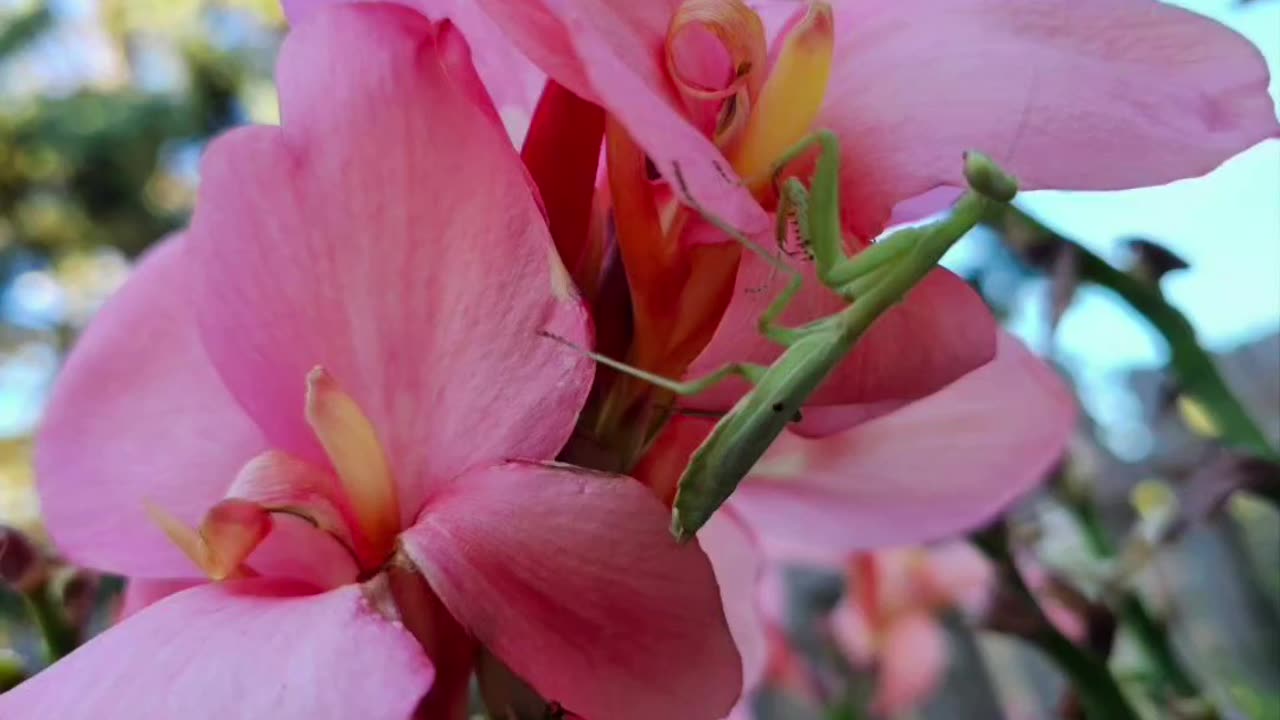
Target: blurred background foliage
104, 109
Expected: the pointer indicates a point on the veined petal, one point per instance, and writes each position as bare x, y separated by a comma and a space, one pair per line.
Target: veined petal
352, 237
139, 416
247, 649
565, 574
933, 468
510, 81
1065, 94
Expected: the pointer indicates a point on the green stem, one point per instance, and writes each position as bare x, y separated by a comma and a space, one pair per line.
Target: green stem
1150, 633
1099, 693
1197, 375
60, 638
12, 670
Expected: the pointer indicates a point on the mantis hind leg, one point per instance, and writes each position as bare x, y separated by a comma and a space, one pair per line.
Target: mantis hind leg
748, 371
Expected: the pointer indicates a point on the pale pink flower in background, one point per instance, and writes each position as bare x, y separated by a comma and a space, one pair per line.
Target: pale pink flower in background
890, 616
336, 376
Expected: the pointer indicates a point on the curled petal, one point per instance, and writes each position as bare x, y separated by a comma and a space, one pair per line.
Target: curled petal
611, 53
283, 484
739, 566
738, 31
229, 532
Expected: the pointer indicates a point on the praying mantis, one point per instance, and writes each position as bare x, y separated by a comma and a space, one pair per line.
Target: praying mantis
872, 281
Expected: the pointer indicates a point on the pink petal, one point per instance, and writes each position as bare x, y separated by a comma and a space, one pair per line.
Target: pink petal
852, 632
297, 550
913, 657
354, 238
141, 593
511, 81
738, 567
572, 580
941, 331
247, 649
610, 53
1066, 94
959, 575
931, 469
138, 415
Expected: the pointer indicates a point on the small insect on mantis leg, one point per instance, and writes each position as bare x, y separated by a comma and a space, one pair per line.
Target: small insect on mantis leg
748, 371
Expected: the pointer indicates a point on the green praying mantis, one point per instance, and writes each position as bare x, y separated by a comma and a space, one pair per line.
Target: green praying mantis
872, 281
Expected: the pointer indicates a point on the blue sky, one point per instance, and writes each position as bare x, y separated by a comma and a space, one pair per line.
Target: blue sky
1227, 225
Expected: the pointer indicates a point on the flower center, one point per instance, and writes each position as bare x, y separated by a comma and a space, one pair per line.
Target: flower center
356, 505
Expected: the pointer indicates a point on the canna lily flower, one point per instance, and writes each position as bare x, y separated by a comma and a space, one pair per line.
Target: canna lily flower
889, 616
320, 427
1062, 94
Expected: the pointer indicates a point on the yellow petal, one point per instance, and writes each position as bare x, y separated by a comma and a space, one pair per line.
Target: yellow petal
357, 456
791, 96
231, 530
228, 534
187, 540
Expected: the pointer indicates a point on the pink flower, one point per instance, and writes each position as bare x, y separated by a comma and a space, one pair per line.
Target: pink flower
1099, 94
336, 377
1045, 89
889, 616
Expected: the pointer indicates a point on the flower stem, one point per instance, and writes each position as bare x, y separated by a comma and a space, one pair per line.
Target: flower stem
60, 637
1099, 694
1149, 632
1196, 373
